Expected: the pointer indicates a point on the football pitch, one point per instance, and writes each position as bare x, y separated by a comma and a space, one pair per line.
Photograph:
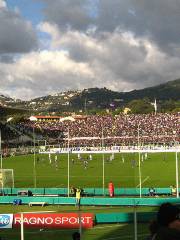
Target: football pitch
157, 170
99, 232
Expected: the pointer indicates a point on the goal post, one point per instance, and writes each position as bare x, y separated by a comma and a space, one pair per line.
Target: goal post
6, 178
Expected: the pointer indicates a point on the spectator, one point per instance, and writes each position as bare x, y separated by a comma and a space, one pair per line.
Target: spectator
153, 227
151, 192
173, 191
167, 224
111, 189
78, 197
72, 191
162, 128
76, 236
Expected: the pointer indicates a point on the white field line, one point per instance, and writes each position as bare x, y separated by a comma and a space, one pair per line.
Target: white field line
143, 181
80, 176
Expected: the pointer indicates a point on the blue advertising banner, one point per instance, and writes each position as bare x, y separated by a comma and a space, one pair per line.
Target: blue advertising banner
6, 220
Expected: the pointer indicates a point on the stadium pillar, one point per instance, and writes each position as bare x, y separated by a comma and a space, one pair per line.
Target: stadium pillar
68, 165
79, 216
0, 149
135, 222
177, 176
139, 161
34, 158
32, 118
1, 180
177, 167
22, 227
103, 165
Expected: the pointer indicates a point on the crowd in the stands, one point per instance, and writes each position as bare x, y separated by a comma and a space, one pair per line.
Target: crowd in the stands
113, 130
8, 133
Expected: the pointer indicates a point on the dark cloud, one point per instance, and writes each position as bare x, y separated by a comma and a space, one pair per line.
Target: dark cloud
118, 44
16, 34
68, 14
157, 20
6, 58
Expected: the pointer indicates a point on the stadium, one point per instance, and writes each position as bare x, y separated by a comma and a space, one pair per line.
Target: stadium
45, 158
89, 120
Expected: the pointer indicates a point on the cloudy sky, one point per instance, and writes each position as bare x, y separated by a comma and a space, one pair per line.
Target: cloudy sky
49, 46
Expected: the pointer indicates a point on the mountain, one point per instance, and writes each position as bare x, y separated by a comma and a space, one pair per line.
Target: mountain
5, 100
8, 106
166, 91
103, 97
93, 98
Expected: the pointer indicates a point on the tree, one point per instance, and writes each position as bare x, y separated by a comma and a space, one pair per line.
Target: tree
140, 106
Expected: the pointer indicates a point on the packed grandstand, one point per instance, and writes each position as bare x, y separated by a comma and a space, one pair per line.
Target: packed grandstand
161, 128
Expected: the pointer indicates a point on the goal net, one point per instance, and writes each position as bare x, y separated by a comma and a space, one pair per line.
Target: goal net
6, 178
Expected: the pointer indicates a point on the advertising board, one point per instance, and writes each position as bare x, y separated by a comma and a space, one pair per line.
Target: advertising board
55, 220
6, 220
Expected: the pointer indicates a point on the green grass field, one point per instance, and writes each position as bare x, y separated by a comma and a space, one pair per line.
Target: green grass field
100, 232
158, 170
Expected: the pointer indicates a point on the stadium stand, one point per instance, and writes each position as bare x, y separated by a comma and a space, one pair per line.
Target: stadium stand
162, 128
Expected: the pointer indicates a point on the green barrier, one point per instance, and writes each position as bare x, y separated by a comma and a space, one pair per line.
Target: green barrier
89, 191
7, 191
92, 201
48, 200
14, 191
36, 190
124, 217
57, 191
127, 201
144, 191
113, 217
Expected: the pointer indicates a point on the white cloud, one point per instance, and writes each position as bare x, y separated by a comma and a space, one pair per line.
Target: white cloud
16, 34
157, 20
39, 73
118, 61
121, 45
2, 4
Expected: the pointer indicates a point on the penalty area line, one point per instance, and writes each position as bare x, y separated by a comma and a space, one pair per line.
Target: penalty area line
143, 181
